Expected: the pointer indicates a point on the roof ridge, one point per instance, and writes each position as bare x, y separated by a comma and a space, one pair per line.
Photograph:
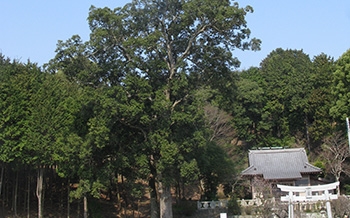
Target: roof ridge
277, 150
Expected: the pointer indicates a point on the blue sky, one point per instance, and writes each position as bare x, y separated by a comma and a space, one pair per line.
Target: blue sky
315, 26
31, 29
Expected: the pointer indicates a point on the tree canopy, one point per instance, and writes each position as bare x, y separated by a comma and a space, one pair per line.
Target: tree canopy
153, 102
173, 47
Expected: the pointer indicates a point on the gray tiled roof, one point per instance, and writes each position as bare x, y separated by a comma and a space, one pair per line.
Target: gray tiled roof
279, 164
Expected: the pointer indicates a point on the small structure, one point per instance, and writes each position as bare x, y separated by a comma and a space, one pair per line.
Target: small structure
269, 167
309, 193
212, 204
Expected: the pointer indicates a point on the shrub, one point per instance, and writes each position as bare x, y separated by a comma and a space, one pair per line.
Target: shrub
233, 206
185, 208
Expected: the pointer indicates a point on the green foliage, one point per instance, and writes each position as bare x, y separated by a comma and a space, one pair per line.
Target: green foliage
321, 100
287, 78
347, 189
95, 209
185, 208
74, 59
138, 100
159, 54
83, 187
215, 168
125, 102
275, 100
52, 113
249, 106
233, 206
340, 89
18, 84
190, 171
320, 164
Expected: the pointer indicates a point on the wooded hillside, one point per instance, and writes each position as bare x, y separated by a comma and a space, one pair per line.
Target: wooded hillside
153, 104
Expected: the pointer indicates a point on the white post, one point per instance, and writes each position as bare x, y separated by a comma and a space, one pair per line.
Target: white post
328, 204
290, 205
223, 215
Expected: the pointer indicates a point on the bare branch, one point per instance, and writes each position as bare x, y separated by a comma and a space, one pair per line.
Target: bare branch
335, 152
177, 102
219, 122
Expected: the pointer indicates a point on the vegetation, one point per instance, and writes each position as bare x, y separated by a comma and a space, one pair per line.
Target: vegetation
153, 103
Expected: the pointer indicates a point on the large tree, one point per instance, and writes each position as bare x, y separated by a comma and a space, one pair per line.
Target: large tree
18, 82
49, 128
172, 45
38, 111
248, 108
319, 120
153, 56
287, 85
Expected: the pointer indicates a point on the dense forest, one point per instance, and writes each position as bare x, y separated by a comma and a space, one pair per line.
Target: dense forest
153, 104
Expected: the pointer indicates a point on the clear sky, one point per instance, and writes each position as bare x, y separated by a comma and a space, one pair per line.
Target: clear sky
31, 29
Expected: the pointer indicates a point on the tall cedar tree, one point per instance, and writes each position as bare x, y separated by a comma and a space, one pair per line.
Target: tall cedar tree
287, 85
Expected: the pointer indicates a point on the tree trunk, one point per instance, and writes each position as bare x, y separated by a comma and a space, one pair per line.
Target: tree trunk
337, 178
39, 190
79, 208
178, 191
7, 191
153, 194
165, 201
307, 133
3, 194
25, 191
68, 204
15, 195
154, 205
1, 181
28, 196
85, 207
1, 177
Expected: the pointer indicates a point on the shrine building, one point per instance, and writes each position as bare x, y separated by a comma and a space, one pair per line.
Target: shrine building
270, 166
